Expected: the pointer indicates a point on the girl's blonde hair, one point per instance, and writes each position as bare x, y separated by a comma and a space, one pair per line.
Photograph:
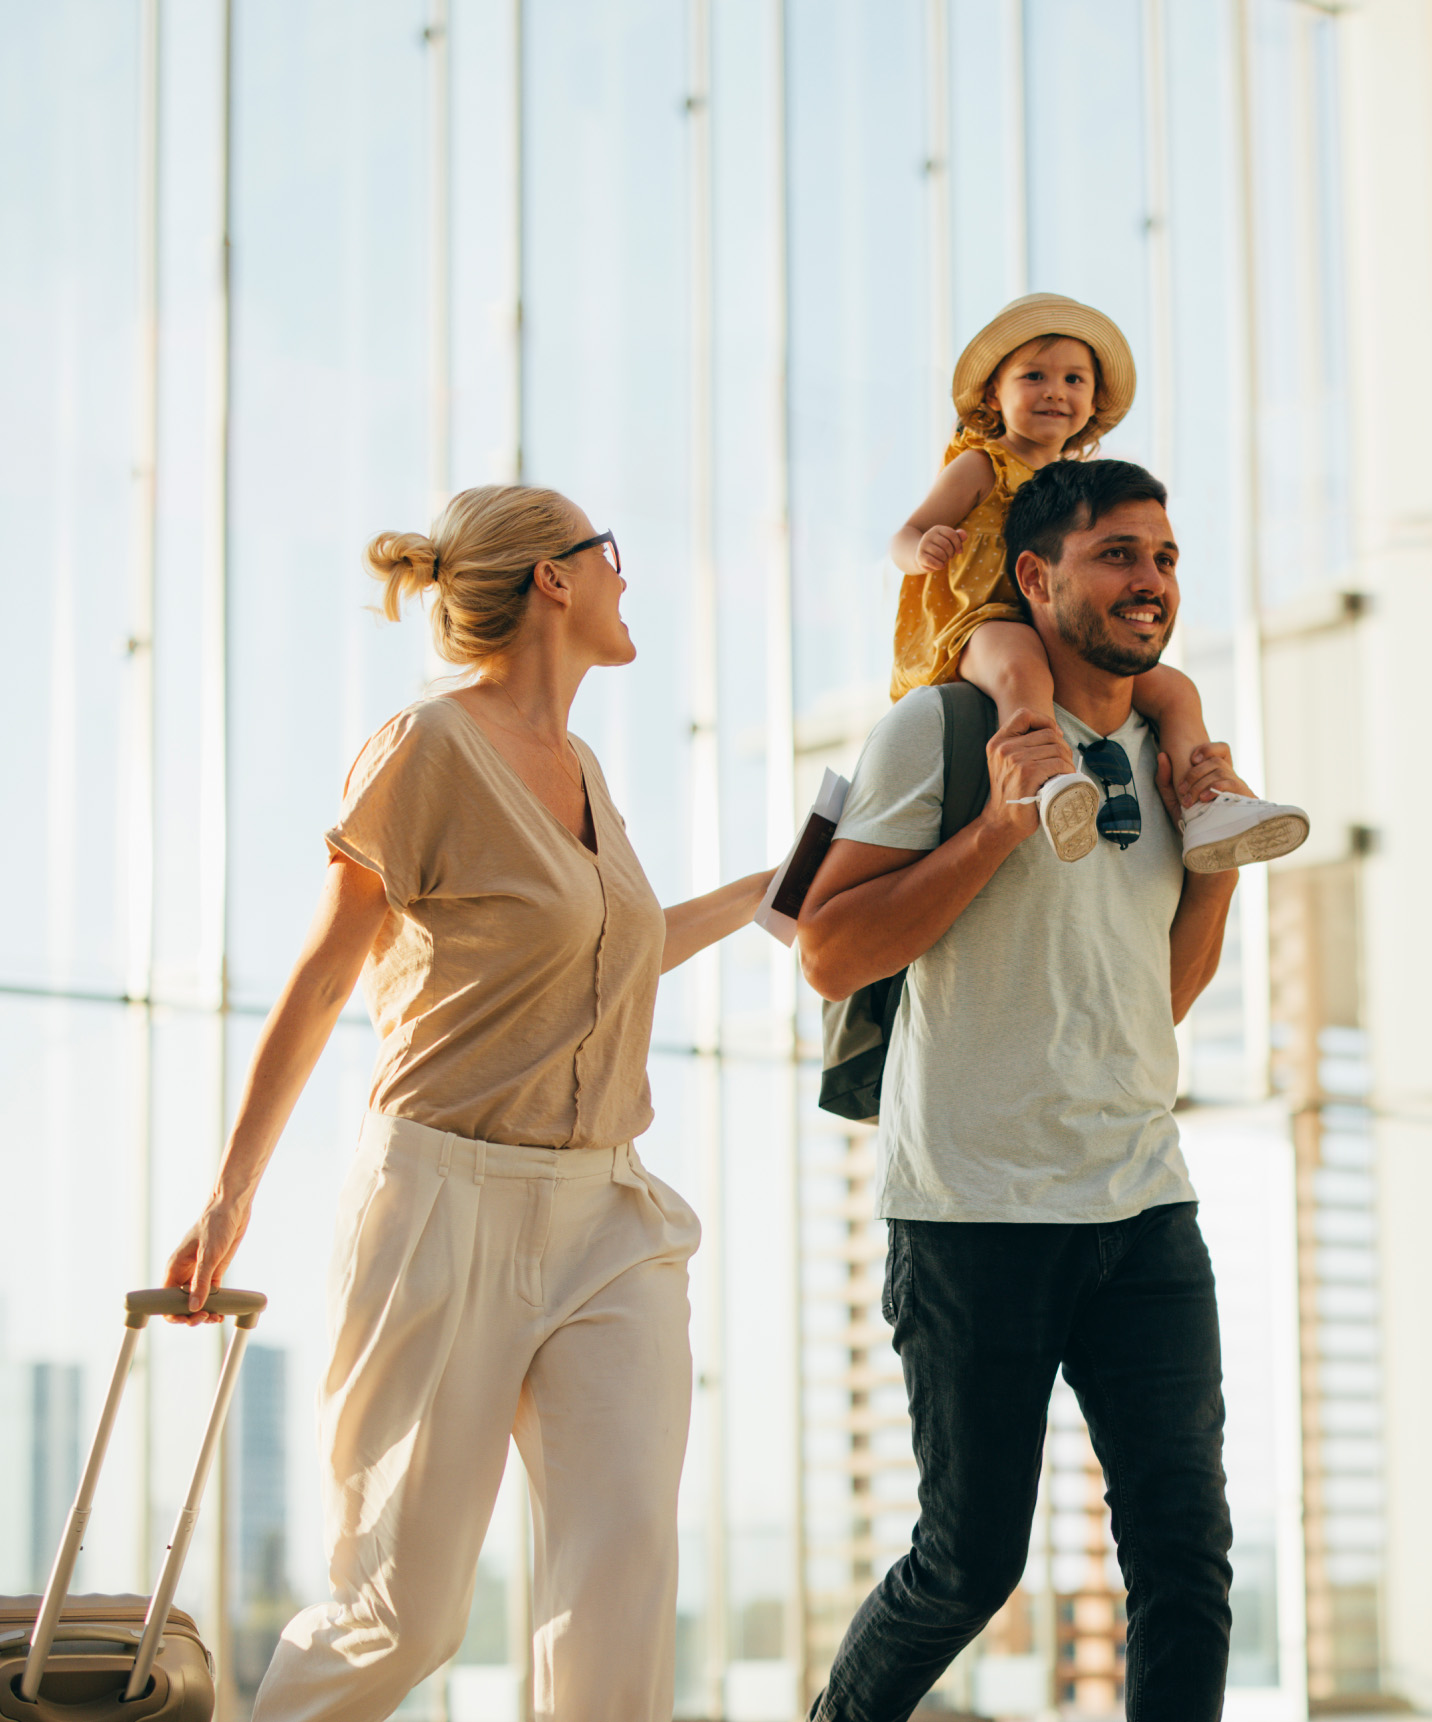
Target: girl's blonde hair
988, 421
477, 564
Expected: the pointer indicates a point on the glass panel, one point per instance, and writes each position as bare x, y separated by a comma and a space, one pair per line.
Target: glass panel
858, 365
1302, 445
762, 1366
986, 200
1244, 1177
1088, 205
483, 226
329, 432
746, 477
276, 1535
191, 82
607, 350
68, 84
73, 1188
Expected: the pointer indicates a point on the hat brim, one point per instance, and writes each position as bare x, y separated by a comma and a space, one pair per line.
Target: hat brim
1048, 314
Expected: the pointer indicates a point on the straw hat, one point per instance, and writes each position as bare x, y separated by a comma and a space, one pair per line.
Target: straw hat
1047, 314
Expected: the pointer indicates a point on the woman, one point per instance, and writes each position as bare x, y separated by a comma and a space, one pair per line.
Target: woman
503, 1262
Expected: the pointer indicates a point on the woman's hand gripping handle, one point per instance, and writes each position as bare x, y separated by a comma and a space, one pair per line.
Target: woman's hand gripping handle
350, 911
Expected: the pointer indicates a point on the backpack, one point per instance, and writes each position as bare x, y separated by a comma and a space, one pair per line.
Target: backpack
856, 1031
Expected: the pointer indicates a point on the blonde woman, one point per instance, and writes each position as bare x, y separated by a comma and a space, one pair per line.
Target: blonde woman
503, 1261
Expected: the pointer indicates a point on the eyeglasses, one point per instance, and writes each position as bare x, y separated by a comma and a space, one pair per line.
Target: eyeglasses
1118, 819
612, 554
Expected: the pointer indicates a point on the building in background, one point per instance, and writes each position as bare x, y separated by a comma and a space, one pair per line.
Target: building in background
279, 275
258, 1485
40, 1458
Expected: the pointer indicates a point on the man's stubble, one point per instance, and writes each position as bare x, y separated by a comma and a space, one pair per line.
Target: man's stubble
1086, 630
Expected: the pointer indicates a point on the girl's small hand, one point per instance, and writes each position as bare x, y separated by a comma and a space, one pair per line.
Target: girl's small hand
200, 1262
1211, 770
939, 547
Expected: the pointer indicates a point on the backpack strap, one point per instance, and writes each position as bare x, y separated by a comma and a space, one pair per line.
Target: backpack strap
856, 1031
971, 718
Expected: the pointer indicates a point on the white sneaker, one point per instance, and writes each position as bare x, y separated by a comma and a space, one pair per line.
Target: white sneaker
1068, 811
1233, 830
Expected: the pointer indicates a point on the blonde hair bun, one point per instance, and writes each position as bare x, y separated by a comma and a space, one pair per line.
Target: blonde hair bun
404, 562
477, 564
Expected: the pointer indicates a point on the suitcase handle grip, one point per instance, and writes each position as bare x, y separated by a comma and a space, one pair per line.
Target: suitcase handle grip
174, 1300
97, 1632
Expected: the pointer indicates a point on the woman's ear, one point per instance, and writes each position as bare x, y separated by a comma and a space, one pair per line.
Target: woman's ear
553, 581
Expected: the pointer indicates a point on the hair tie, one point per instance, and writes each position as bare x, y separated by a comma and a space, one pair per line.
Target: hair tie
435, 564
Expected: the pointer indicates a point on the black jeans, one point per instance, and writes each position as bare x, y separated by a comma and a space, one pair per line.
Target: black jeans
984, 1315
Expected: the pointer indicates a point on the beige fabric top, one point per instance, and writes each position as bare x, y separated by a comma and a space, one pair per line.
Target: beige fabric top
514, 978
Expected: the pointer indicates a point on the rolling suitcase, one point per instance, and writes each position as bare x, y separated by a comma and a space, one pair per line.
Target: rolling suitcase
122, 1656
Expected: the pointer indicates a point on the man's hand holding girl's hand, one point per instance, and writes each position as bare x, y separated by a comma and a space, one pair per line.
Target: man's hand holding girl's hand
1210, 771
1023, 755
938, 548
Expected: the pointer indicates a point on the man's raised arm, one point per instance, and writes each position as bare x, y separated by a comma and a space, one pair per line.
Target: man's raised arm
873, 910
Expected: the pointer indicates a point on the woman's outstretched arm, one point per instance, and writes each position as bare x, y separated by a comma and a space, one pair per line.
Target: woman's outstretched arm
349, 914
691, 926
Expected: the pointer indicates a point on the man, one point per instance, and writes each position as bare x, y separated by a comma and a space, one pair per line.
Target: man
1039, 1209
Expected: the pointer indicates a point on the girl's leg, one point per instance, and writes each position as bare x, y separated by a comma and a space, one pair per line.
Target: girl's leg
1219, 831
1170, 701
1007, 661
602, 1432
429, 1351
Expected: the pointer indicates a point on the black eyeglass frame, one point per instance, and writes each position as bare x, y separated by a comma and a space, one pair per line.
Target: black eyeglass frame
1118, 770
577, 549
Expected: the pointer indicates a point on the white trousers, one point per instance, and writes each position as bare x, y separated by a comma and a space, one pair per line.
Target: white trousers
477, 1290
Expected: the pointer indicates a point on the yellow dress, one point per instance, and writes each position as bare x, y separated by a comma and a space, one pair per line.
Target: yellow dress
937, 613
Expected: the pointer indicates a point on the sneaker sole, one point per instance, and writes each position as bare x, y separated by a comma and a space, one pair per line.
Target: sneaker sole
1265, 842
1070, 821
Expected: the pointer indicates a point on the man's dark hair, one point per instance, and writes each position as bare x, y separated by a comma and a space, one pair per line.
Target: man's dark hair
1070, 496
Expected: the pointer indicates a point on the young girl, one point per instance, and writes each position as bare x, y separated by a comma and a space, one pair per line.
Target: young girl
1043, 382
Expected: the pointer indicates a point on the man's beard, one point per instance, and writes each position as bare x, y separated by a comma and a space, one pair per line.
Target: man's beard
1086, 629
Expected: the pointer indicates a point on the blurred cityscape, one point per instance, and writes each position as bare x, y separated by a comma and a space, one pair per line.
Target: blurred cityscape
281, 273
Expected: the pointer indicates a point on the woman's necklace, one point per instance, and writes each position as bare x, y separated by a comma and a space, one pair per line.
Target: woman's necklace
576, 781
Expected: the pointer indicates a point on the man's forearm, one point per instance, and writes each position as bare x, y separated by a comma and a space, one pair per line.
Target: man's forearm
1196, 937
878, 927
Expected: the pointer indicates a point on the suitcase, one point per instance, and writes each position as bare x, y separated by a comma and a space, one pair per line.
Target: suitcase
94, 1658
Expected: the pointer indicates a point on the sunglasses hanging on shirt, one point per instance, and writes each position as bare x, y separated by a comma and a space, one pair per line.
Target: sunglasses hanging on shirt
1118, 819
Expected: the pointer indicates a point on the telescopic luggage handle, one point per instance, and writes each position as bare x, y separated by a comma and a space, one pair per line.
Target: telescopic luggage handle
246, 1307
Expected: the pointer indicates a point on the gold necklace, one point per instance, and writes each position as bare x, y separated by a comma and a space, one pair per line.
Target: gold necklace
576, 782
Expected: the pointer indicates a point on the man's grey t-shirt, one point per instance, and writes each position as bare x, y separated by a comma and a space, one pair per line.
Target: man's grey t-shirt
1032, 1069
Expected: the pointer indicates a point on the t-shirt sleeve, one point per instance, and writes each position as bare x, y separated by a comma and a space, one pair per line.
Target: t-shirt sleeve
394, 807
897, 794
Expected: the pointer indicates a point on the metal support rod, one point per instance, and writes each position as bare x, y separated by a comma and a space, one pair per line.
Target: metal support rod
1016, 154
780, 825
162, 1600
217, 729
440, 257
139, 765
705, 826
1247, 639
519, 245
1157, 239
937, 218
63, 1570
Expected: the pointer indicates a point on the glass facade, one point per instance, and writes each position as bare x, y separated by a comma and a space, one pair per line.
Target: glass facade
282, 273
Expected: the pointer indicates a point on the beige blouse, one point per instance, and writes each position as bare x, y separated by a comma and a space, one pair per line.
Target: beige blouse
514, 977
